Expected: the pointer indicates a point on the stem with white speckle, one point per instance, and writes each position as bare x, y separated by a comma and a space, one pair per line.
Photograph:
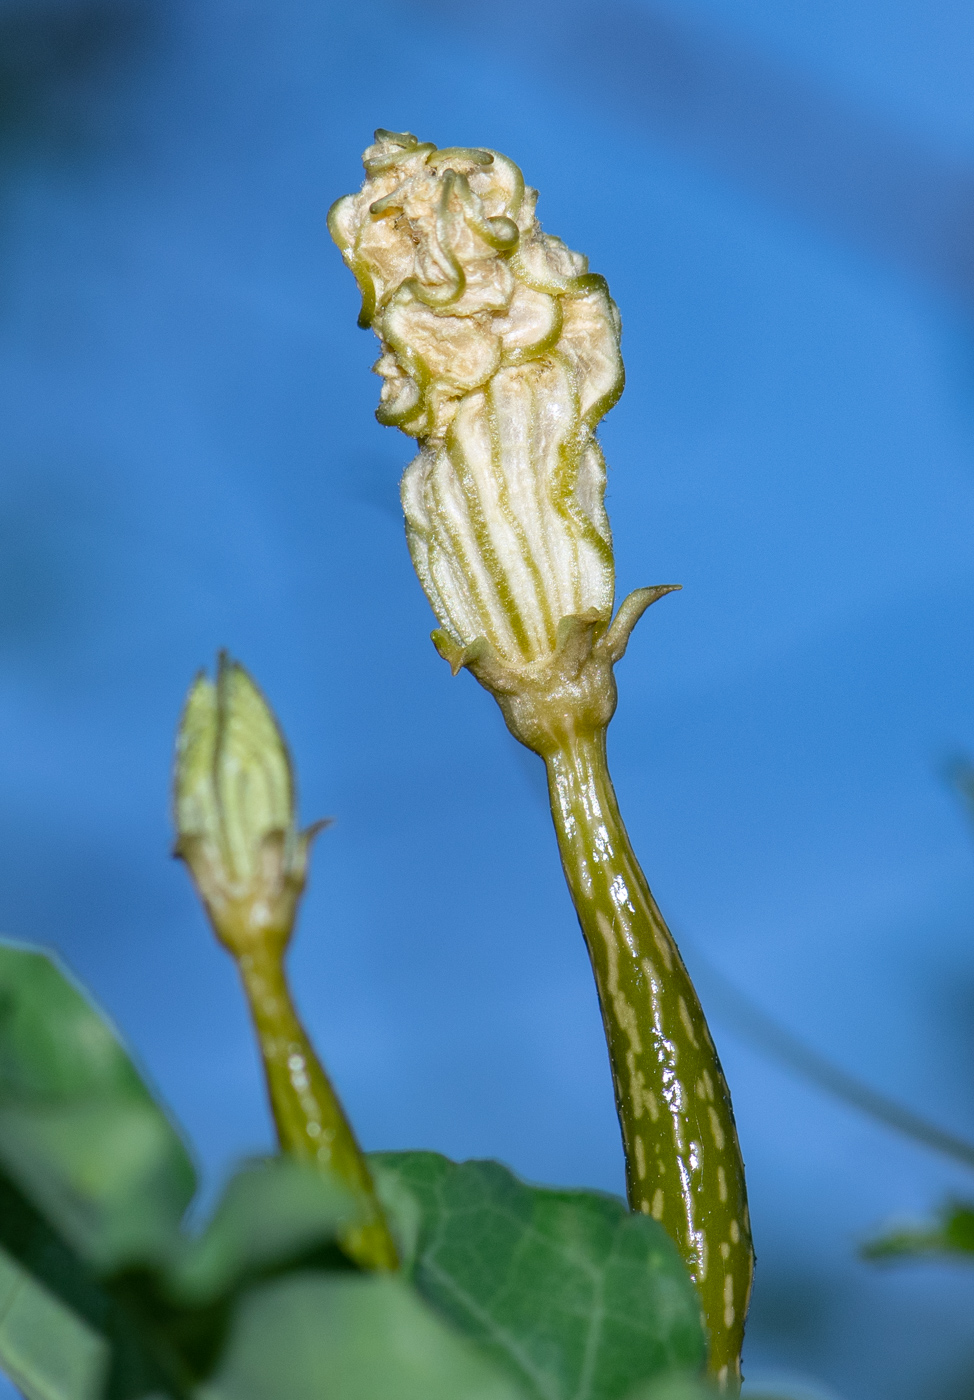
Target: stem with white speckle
683, 1160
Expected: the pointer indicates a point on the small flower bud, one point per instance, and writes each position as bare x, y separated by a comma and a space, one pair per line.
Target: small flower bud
234, 806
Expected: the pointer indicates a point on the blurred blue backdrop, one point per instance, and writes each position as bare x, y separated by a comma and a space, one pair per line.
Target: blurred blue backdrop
782, 198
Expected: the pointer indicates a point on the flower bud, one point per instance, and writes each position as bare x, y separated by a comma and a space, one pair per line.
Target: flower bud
500, 353
234, 807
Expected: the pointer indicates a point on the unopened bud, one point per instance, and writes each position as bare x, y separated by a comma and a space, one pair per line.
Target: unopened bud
234, 807
501, 355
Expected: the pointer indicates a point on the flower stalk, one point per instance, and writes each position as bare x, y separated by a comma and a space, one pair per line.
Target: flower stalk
683, 1161
500, 354
235, 818
683, 1158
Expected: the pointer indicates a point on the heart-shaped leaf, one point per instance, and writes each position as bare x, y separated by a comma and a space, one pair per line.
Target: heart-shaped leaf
575, 1296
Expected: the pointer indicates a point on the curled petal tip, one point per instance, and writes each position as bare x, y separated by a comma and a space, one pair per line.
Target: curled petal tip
500, 355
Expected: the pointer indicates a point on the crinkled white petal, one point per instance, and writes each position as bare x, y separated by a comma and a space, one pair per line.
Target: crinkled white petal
500, 354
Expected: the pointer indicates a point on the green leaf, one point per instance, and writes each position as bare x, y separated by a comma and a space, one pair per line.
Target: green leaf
45, 1347
575, 1296
272, 1214
676, 1387
57, 1317
357, 1337
172, 1319
104, 1174
950, 1235
559, 1294
93, 1184
93, 1179
80, 1133
158, 1326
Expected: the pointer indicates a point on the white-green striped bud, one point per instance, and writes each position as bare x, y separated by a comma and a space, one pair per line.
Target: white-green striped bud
234, 809
501, 354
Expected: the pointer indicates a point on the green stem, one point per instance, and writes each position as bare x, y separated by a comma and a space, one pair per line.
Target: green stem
310, 1121
683, 1161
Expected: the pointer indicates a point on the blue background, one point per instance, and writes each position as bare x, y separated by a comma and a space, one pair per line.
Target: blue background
781, 194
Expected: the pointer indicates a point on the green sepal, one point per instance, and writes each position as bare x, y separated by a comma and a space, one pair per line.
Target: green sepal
455, 655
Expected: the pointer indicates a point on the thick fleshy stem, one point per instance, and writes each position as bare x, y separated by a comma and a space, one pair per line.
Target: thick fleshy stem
683, 1161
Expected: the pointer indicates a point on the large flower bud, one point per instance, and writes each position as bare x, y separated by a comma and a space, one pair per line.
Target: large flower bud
500, 353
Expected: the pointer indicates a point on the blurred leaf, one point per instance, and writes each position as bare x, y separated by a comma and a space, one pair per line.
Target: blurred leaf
104, 1174
534, 1293
45, 1348
951, 1235
578, 1298
93, 1184
159, 1326
676, 1387
54, 1046
59, 1323
79, 1132
29, 1243
321, 1337
62, 1316
272, 1214
93, 1179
